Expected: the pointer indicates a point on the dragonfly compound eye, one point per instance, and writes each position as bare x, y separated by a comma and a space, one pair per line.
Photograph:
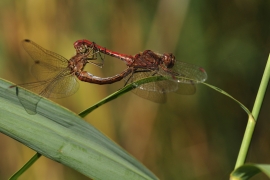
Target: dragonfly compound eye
81, 49
168, 60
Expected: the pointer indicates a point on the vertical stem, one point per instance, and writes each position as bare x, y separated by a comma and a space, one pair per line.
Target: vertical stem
252, 120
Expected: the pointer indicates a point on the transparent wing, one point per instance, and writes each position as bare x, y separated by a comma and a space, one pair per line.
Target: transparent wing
151, 95
58, 87
47, 63
185, 73
156, 91
63, 86
156, 86
55, 78
153, 91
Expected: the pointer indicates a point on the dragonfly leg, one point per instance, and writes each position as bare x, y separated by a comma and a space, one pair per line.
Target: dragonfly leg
93, 53
132, 72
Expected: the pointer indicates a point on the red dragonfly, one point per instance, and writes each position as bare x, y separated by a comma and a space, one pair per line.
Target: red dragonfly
56, 76
180, 77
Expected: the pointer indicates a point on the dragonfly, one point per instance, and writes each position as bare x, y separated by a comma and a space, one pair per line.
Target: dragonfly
57, 77
179, 77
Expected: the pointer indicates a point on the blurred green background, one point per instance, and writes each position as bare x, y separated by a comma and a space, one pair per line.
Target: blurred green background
189, 137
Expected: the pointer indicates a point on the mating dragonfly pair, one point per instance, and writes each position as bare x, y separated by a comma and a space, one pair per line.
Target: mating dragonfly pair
57, 76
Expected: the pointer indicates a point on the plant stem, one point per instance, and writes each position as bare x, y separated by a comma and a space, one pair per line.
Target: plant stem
252, 120
120, 92
25, 167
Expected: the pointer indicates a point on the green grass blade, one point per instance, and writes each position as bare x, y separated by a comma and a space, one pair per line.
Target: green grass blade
249, 170
26, 166
63, 136
228, 95
252, 117
255, 112
120, 92
262, 89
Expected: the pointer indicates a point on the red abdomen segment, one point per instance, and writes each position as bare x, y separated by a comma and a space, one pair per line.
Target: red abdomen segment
127, 58
88, 77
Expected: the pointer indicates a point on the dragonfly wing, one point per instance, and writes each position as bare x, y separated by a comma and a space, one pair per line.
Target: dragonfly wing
185, 73
43, 70
154, 91
60, 87
186, 89
162, 86
46, 61
160, 97
195, 73
51, 88
151, 95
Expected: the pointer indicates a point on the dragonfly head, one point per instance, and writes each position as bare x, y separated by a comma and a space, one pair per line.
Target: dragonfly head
81, 49
168, 59
83, 46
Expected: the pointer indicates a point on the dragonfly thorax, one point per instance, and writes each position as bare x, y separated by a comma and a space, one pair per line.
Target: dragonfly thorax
77, 63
